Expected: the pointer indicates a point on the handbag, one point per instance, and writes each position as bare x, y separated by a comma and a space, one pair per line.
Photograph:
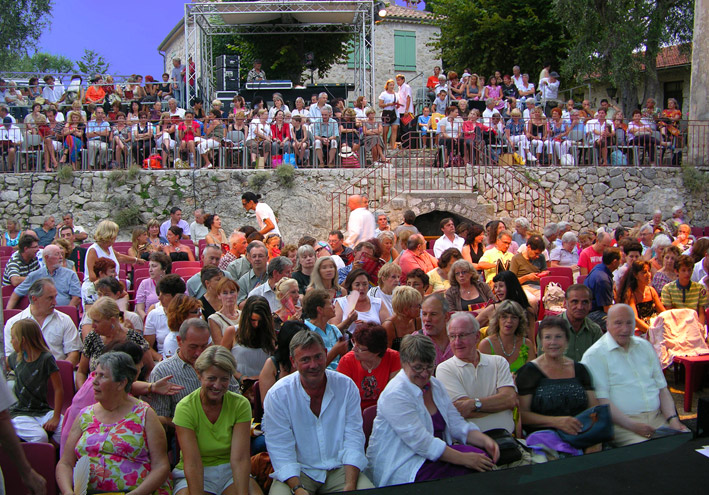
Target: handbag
388, 117
509, 448
407, 118
596, 427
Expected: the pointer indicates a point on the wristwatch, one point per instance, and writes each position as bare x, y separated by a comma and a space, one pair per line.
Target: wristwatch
295, 489
478, 404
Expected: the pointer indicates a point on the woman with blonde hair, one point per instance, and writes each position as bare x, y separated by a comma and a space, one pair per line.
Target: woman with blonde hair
388, 106
388, 279
140, 247
107, 325
467, 291
506, 335
406, 319
324, 276
105, 236
373, 132
182, 307
288, 296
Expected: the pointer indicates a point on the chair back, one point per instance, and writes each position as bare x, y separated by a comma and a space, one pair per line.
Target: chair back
186, 264
42, 458
71, 311
561, 271
9, 313
564, 282
6, 250
187, 271
368, 416
66, 373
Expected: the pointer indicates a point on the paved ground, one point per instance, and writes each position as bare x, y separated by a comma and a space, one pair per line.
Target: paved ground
678, 393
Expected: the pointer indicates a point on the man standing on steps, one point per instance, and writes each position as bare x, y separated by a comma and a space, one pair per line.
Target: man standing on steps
360, 226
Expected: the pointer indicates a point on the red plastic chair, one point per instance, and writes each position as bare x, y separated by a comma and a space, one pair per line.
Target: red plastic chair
71, 311
581, 279
42, 458
368, 416
23, 303
9, 313
142, 272
6, 251
543, 282
66, 372
187, 272
693, 372
706, 231
561, 271
186, 264
7, 290
80, 275
697, 232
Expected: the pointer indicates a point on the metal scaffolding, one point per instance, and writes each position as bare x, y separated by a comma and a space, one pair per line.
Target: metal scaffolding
203, 20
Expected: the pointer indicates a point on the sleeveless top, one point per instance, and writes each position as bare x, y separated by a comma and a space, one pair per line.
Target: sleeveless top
372, 314
521, 358
537, 130
12, 242
100, 253
298, 133
179, 256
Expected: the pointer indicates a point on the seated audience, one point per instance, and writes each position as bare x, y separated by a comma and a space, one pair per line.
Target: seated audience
505, 285
288, 297
635, 291
370, 364
117, 419
324, 277
600, 282
497, 259
635, 389
417, 424
22, 262
159, 265
388, 279
553, 388
449, 238
480, 385
213, 427
415, 256
683, 292
467, 291
254, 339
228, 314
210, 276
181, 308
313, 425
508, 330
566, 254
438, 277
406, 316
156, 325
58, 329
366, 308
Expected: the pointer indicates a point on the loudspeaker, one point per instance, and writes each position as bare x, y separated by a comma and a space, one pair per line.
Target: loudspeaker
228, 62
227, 80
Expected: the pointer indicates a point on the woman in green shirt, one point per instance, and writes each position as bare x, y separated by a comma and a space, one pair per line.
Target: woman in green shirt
213, 427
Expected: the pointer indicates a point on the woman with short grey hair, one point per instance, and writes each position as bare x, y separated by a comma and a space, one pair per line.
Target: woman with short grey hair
306, 263
409, 442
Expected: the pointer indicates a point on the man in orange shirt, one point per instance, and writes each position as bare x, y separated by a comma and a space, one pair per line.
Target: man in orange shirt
416, 256
432, 82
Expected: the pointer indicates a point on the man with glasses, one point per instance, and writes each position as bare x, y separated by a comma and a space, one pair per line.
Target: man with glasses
257, 254
23, 261
480, 385
499, 256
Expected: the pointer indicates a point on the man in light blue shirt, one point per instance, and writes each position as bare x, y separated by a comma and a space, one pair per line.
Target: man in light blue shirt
97, 134
326, 133
65, 280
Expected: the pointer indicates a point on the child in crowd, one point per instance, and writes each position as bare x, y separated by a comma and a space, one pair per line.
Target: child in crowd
299, 139
189, 135
34, 368
423, 121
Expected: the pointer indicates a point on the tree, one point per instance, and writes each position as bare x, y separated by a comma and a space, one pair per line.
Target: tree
490, 35
21, 25
40, 62
283, 56
620, 39
92, 63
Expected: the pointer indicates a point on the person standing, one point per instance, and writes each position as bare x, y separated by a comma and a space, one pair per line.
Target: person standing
264, 214
360, 226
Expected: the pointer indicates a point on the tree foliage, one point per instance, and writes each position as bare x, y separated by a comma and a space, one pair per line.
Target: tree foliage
92, 63
490, 35
617, 41
283, 56
21, 25
40, 62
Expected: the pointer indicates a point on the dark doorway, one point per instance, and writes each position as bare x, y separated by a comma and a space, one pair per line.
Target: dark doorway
673, 89
429, 224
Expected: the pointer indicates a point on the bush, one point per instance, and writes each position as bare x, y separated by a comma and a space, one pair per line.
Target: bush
285, 175
258, 180
128, 217
694, 181
65, 173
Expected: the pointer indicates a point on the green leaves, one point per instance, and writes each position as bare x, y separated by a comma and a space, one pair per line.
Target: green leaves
21, 25
92, 63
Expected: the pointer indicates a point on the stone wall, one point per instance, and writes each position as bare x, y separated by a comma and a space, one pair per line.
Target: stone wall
586, 197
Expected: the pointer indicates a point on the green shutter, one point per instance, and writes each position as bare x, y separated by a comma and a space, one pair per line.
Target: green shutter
351, 52
405, 50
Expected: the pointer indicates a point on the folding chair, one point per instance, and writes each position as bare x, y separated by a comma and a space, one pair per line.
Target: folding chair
66, 373
543, 282
561, 271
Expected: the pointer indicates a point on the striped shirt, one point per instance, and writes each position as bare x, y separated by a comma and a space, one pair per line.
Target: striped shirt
674, 297
182, 374
16, 267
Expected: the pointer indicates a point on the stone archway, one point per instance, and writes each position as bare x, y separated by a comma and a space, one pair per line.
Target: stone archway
434, 206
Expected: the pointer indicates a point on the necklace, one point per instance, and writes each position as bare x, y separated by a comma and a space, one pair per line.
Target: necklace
502, 346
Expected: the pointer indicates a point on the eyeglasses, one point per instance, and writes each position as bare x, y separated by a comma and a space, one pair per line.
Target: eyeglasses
461, 274
420, 368
454, 336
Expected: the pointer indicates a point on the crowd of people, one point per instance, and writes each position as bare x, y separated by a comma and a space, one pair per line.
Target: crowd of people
434, 350
474, 119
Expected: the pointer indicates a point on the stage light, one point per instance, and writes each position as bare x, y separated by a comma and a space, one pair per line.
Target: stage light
380, 11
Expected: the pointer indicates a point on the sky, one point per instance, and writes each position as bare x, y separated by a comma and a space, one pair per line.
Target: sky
125, 32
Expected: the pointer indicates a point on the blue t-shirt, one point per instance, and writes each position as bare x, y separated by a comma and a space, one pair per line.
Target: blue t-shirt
330, 337
600, 281
423, 121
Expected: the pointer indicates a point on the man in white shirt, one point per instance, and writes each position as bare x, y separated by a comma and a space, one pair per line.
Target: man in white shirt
197, 229
10, 140
449, 239
52, 92
176, 220
360, 226
278, 268
627, 375
480, 385
317, 108
517, 76
549, 86
313, 425
174, 110
58, 329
